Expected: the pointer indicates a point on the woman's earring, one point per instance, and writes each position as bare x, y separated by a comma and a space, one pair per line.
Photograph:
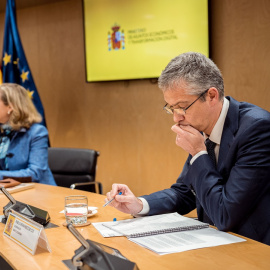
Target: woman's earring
8, 112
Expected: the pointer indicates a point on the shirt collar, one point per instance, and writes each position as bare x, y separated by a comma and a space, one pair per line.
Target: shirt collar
216, 133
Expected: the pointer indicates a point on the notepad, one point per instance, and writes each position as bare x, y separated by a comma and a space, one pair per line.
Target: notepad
153, 225
20, 187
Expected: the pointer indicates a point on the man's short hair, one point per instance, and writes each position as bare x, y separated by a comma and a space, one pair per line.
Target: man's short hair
194, 70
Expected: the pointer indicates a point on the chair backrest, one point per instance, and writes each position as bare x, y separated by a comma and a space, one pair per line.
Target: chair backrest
73, 165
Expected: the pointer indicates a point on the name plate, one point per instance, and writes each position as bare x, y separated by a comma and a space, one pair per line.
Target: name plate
26, 232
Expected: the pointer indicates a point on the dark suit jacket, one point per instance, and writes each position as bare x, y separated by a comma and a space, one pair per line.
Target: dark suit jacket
236, 194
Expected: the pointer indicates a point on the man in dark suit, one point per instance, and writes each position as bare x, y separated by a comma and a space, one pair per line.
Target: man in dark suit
227, 174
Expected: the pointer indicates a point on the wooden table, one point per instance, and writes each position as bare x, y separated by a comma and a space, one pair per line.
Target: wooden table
246, 255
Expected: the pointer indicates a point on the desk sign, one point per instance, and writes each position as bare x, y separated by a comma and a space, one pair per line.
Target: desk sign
26, 232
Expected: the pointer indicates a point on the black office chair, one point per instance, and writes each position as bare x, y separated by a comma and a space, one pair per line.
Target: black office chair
75, 168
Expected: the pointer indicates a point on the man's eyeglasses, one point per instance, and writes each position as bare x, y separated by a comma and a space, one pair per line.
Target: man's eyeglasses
181, 110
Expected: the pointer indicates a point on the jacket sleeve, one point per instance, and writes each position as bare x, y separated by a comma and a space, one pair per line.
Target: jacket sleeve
178, 198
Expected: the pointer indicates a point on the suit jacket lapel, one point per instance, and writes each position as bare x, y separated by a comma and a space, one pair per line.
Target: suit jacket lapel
229, 129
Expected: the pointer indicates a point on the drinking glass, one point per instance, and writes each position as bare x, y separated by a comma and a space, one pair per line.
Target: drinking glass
76, 209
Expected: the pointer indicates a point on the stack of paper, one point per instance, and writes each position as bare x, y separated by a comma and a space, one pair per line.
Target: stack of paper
167, 233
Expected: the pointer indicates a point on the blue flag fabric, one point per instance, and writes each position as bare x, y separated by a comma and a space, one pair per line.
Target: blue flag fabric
14, 64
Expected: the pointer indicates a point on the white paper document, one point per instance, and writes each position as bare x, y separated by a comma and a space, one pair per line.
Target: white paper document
104, 231
149, 225
167, 233
187, 240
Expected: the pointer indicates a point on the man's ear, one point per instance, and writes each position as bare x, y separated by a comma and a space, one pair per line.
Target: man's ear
213, 95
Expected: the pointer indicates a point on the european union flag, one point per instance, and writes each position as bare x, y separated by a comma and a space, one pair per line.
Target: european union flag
15, 67
1, 75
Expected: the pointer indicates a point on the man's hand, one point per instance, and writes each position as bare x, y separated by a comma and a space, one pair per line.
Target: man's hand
189, 139
127, 202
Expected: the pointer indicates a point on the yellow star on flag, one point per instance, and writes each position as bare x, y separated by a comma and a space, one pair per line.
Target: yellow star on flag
7, 59
16, 62
30, 93
24, 75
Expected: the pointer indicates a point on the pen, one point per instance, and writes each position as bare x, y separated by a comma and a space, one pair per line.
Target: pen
120, 193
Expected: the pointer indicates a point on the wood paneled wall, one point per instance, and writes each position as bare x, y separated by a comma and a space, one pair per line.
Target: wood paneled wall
124, 119
241, 43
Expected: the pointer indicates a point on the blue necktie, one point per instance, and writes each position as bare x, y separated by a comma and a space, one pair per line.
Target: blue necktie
210, 147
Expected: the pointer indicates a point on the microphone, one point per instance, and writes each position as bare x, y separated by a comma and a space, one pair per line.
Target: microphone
93, 255
32, 212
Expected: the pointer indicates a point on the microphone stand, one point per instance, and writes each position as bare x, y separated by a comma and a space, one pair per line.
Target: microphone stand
90, 256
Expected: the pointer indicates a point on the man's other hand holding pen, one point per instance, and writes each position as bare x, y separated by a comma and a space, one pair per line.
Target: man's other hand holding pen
126, 202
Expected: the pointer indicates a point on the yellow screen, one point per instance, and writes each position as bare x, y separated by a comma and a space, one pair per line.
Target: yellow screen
135, 39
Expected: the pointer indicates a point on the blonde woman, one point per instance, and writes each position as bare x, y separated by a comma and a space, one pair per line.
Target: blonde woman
23, 141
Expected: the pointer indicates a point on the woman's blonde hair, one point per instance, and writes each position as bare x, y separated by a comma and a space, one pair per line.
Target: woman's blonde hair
24, 113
